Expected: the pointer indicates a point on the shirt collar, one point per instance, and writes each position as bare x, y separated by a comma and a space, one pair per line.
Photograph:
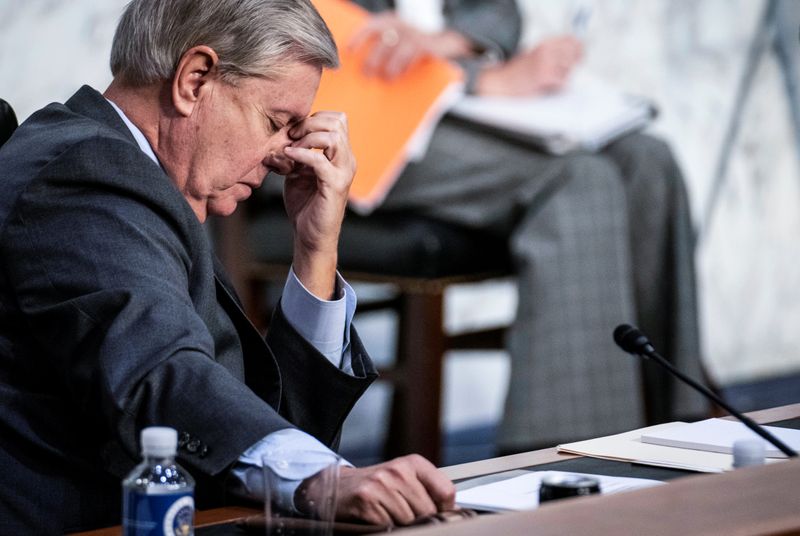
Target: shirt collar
144, 145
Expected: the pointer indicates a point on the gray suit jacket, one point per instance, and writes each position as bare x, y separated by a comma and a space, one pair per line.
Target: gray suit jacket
114, 315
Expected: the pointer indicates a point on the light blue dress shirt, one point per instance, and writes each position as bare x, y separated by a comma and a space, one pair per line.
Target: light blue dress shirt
324, 324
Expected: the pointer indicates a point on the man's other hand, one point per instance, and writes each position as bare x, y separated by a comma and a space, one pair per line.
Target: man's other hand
395, 492
540, 70
395, 46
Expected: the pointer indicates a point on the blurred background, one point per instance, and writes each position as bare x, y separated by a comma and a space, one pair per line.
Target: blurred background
724, 78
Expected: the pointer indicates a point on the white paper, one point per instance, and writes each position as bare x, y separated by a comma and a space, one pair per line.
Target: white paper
719, 435
628, 447
522, 492
587, 114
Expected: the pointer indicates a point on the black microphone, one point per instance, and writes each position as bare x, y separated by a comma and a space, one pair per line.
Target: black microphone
635, 342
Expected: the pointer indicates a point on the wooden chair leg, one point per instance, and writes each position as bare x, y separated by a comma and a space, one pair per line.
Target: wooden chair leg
415, 422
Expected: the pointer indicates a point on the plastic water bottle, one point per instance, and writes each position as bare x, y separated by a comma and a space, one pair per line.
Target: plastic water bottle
158, 495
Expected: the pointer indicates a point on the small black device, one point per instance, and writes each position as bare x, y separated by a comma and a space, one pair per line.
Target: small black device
567, 485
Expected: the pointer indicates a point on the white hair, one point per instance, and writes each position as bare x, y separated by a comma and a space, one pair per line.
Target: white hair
251, 37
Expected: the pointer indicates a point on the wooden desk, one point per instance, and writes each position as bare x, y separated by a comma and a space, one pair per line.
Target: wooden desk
758, 500
539, 457
206, 518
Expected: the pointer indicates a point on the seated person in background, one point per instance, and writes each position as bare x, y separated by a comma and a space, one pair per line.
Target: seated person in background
597, 239
114, 314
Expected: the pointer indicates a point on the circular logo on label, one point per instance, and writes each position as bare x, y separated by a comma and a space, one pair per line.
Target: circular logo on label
179, 517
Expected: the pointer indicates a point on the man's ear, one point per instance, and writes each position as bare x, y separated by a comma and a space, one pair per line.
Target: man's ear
196, 69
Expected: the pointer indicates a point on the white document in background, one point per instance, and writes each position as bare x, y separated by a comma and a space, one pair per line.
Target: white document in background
719, 435
628, 447
587, 114
522, 492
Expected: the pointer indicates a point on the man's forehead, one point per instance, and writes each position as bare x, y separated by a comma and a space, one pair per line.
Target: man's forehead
292, 94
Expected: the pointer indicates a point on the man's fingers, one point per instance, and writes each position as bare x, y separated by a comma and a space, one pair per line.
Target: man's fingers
314, 162
326, 131
377, 59
440, 489
374, 26
401, 475
419, 484
403, 489
567, 49
418, 499
403, 56
374, 512
335, 177
374, 496
328, 142
397, 507
325, 121
393, 45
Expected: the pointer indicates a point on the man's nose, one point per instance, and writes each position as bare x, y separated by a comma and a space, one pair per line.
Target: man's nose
279, 162
276, 159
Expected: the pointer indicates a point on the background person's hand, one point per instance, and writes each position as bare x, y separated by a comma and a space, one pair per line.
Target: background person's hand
540, 70
315, 195
395, 45
395, 492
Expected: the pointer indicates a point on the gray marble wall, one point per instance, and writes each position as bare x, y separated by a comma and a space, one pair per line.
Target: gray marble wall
686, 54
689, 56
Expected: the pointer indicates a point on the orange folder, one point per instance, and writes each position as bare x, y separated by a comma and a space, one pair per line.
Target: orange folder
385, 118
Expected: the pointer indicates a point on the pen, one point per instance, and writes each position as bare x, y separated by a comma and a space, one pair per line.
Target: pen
580, 20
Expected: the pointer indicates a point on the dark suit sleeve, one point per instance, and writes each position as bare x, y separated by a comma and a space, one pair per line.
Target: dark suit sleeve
102, 269
307, 384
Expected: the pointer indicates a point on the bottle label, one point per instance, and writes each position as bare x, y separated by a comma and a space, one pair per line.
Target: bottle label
170, 514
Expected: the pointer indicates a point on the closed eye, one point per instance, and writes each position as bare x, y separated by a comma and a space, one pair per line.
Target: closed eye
274, 125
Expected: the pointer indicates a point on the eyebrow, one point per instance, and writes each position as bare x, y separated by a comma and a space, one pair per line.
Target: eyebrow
292, 117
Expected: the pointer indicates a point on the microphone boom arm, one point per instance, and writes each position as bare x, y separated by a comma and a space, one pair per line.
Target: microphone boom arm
635, 342
747, 421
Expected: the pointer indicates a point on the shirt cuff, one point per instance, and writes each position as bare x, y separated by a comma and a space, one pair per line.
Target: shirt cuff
324, 324
247, 473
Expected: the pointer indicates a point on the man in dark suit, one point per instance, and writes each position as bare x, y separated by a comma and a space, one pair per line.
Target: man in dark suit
115, 315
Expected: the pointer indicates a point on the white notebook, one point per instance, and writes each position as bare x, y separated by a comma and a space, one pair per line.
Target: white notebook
587, 114
522, 492
718, 435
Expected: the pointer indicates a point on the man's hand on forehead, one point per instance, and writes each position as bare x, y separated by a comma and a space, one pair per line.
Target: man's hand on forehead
315, 194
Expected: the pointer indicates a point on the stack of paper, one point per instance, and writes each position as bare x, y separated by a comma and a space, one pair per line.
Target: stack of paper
719, 435
522, 492
588, 114
629, 447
